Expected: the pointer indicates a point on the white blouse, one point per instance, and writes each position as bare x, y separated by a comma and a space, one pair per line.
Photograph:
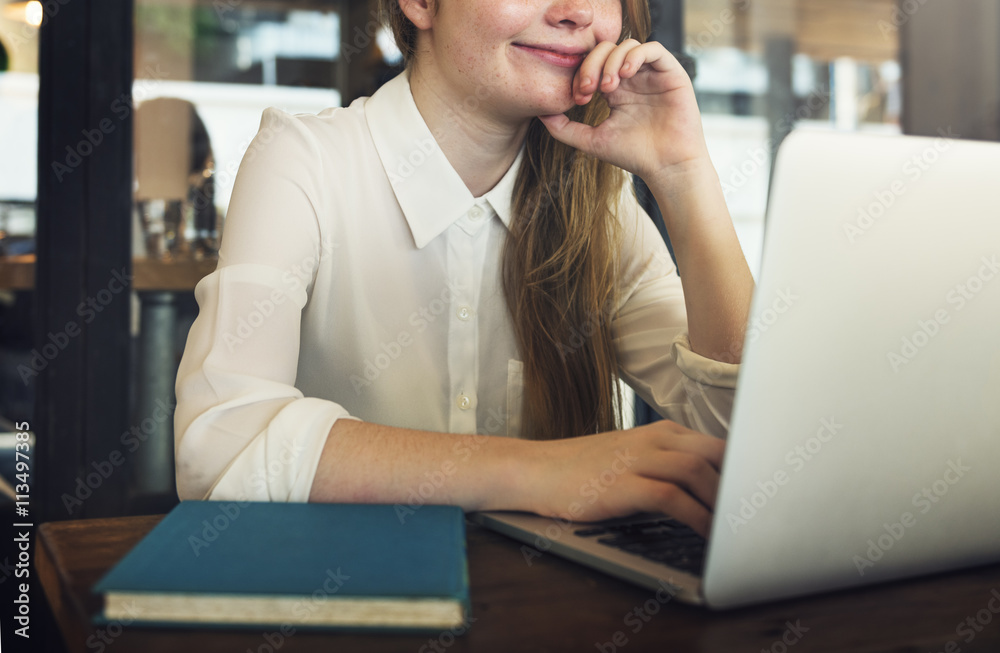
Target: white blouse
359, 278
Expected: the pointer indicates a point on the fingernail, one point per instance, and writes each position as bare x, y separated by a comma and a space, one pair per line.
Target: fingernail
607, 79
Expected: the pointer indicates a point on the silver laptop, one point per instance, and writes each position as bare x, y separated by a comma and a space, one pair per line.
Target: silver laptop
865, 438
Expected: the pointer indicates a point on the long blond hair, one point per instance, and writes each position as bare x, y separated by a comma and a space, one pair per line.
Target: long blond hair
560, 265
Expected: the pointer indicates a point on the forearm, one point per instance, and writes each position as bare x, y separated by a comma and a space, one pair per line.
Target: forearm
363, 462
717, 282
658, 467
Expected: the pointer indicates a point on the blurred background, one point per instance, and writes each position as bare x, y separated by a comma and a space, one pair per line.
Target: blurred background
122, 128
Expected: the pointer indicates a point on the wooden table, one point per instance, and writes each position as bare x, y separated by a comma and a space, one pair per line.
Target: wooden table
552, 605
18, 273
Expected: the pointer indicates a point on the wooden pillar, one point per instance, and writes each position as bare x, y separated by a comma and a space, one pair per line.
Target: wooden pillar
950, 53
356, 71
84, 259
774, 24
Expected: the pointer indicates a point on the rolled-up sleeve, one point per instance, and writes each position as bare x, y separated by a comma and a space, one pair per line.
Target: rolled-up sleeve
242, 428
650, 336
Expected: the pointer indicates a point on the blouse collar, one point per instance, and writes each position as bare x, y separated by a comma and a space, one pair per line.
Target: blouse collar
430, 192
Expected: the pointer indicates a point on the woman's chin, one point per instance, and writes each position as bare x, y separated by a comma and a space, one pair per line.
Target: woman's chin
550, 102
556, 104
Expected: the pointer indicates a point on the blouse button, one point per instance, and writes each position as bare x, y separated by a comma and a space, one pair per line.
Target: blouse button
475, 213
464, 402
464, 313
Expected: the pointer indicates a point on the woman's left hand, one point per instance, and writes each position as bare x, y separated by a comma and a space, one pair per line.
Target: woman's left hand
654, 122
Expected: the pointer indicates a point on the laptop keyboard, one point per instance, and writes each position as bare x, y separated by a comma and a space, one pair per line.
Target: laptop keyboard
666, 541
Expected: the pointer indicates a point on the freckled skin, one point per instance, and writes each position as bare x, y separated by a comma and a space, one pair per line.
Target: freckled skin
470, 51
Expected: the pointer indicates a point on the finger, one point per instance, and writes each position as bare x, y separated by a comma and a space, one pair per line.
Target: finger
588, 77
674, 437
574, 134
690, 472
674, 501
658, 59
652, 53
613, 63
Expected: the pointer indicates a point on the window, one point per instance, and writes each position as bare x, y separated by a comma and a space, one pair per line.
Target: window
764, 68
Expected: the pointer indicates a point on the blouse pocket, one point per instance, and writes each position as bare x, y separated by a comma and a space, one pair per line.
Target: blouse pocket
515, 397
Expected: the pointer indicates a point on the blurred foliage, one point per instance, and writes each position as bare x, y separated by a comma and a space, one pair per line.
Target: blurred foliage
169, 26
203, 31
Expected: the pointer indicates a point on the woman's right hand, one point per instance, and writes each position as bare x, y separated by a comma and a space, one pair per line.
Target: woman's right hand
659, 467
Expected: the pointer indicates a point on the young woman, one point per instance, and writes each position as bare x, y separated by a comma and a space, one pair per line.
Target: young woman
429, 296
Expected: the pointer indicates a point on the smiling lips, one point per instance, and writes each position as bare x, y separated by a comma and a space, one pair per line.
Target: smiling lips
557, 55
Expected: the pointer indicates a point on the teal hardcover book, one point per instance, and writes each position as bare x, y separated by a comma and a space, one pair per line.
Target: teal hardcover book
312, 565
